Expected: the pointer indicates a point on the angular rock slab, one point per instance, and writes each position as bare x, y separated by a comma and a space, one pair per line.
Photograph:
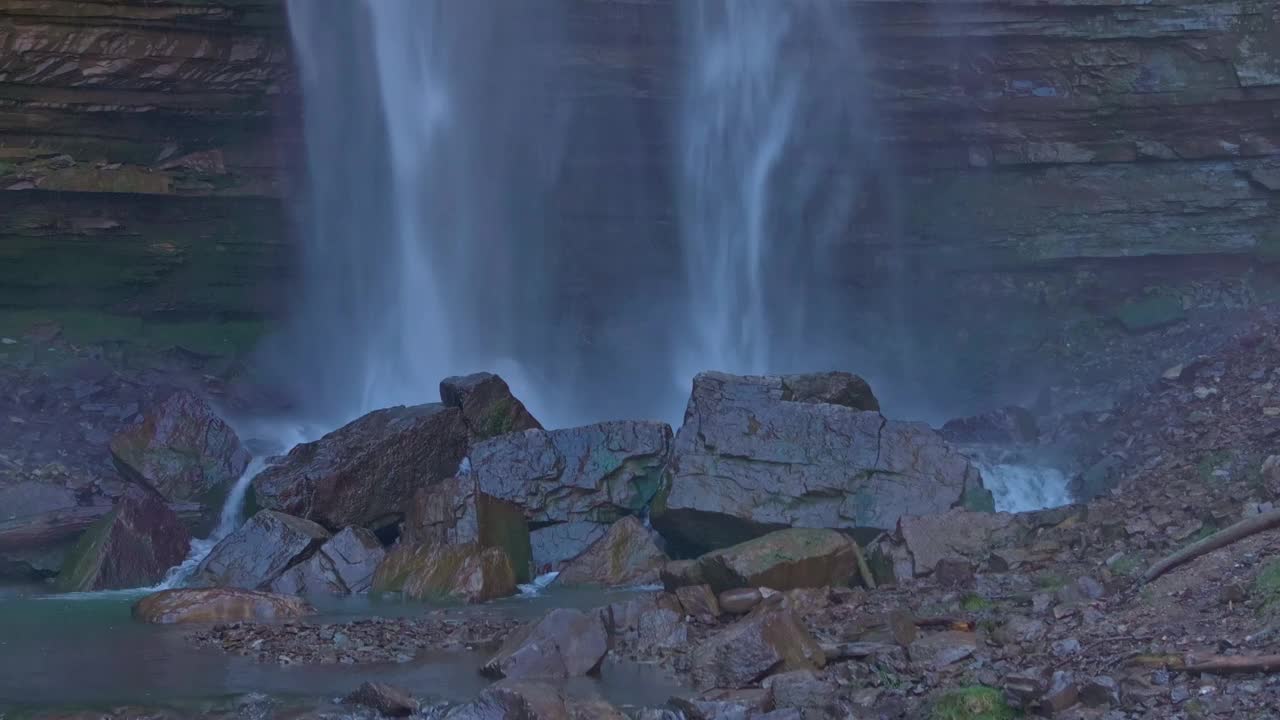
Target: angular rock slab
628, 555
453, 513
218, 605
488, 406
524, 700
596, 473
783, 560
469, 572
748, 461
344, 565
563, 644
132, 546
181, 449
553, 546
365, 473
261, 550
759, 645
955, 534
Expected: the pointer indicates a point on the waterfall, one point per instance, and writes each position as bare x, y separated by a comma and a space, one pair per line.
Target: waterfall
432, 142
775, 151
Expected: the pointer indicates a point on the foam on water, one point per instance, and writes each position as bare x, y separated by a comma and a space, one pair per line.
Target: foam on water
1022, 488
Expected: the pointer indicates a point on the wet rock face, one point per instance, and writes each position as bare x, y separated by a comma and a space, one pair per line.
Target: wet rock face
365, 473
627, 555
830, 388
259, 551
488, 406
181, 449
563, 644
748, 461
1010, 425
469, 572
132, 546
453, 513
388, 700
783, 560
759, 645
344, 565
591, 474
218, 605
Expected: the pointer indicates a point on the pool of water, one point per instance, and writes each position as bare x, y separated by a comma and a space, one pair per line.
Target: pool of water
86, 650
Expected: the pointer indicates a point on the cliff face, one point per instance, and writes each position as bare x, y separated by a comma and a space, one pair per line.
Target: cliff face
1078, 169
142, 145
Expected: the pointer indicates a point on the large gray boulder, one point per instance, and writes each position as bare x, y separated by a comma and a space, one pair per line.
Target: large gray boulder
592, 474
344, 565
748, 460
454, 513
366, 472
260, 551
565, 643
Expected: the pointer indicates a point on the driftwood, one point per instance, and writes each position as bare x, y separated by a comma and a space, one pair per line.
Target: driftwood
64, 524
859, 650
1220, 539
864, 570
945, 622
1212, 664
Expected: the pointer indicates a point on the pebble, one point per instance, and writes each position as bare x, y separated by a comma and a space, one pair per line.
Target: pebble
1065, 648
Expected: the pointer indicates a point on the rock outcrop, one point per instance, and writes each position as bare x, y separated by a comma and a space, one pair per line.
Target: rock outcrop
218, 605
258, 552
783, 560
134, 545
759, 645
488, 406
469, 573
182, 450
627, 555
343, 565
563, 644
748, 461
365, 473
453, 513
591, 474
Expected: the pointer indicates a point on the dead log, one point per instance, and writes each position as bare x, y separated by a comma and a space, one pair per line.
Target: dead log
864, 570
1212, 664
1220, 539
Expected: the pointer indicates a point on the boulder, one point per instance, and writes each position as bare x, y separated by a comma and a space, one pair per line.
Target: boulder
39, 523
761, 644
552, 546
1011, 425
453, 513
749, 704
489, 409
740, 601
783, 560
469, 572
563, 644
262, 549
134, 545
662, 628
523, 700
699, 601
218, 605
830, 388
748, 461
343, 565
386, 699
182, 450
681, 573
956, 534
597, 473
365, 472
804, 690
627, 555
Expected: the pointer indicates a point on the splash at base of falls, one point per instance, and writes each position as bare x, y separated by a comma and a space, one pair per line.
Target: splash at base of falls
1025, 487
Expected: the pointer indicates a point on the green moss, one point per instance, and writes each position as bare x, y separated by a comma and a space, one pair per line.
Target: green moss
1267, 584
979, 500
82, 563
1150, 313
503, 525
498, 421
972, 703
1202, 533
975, 603
1209, 464
1050, 581
1127, 566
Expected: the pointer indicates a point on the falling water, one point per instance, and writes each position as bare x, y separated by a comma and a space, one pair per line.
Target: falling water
774, 153
432, 139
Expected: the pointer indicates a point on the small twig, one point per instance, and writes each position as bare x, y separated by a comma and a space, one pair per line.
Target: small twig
1220, 539
864, 570
946, 622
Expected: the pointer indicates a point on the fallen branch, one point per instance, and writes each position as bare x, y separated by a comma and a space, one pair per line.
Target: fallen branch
864, 570
1220, 539
946, 622
1213, 664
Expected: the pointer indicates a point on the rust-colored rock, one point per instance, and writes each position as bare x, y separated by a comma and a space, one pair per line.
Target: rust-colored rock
488, 406
468, 572
132, 546
218, 605
627, 555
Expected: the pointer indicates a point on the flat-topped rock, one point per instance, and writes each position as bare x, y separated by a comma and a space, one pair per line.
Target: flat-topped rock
218, 605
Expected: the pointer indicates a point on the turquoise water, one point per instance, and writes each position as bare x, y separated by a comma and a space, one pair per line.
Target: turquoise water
86, 650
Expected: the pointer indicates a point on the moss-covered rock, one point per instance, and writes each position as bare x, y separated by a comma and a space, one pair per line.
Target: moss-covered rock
469, 573
1151, 313
132, 546
213, 605
784, 560
627, 555
971, 703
